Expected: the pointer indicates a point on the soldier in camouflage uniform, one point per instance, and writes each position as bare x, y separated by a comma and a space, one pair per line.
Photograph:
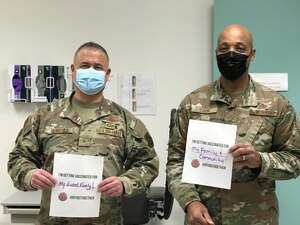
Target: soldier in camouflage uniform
267, 141
88, 124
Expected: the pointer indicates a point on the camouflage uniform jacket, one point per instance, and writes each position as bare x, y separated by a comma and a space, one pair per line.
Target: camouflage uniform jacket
112, 132
264, 119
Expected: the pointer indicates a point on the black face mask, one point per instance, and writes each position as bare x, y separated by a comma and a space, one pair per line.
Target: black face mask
232, 65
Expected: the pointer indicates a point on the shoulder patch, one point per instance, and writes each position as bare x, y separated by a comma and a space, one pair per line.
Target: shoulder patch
140, 132
28, 124
149, 140
139, 129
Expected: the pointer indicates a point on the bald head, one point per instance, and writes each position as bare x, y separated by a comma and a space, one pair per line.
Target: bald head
236, 33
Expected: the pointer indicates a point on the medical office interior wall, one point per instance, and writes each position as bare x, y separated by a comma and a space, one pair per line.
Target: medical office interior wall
170, 38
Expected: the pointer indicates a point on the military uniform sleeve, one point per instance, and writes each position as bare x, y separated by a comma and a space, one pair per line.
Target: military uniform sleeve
283, 162
184, 193
24, 158
142, 163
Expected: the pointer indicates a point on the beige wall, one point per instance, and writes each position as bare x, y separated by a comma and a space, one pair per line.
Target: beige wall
172, 38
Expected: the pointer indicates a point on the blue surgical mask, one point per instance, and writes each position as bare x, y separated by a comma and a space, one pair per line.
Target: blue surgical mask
90, 81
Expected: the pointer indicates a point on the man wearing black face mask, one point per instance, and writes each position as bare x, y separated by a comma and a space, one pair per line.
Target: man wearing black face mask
267, 141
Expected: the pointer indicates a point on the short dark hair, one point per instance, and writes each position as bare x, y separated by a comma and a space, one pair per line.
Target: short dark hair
93, 45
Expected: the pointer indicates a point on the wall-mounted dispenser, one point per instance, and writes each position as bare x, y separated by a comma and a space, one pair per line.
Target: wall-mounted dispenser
40, 83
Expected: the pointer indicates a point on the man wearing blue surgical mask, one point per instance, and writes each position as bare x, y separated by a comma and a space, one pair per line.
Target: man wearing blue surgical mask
87, 124
90, 73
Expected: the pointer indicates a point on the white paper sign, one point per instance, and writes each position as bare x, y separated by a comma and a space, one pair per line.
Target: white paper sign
275, 81
138, 93
207, 161
75, 194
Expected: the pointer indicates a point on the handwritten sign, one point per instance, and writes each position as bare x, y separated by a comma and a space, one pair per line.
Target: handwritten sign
75, 194
207, 161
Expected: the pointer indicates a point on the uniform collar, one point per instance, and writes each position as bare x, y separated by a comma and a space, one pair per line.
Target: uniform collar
68, 112
247, 99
